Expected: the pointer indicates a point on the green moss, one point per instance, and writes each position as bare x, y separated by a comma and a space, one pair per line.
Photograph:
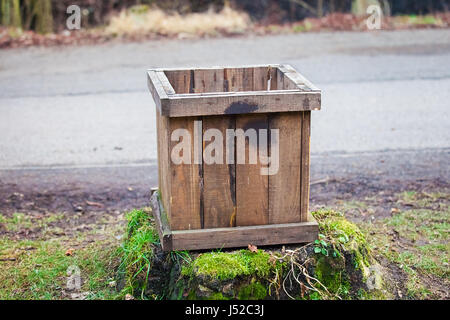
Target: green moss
343, 235
334, 224
214, 296
217, 296
371, 295
228, 265
331, 277
314, 296
252, 291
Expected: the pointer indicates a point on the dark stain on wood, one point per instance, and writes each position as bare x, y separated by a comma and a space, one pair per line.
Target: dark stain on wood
257, 125
241, 107
192, 82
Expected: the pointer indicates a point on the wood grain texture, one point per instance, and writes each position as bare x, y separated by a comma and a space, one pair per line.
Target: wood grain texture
162, 223
164, 178
238, 79
241, 103
284, 82
219, 191
284, 187
165, 83
156, 89
305, 164
261, 76
186, 185
251, 186
242, 236
217, 67
301, 82
208, 80
180, 80
273, 78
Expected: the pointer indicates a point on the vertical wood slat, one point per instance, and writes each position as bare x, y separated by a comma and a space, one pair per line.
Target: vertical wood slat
186, 188
219, 193
273, 72
305, 163
260, 78
208, 80
162, 127
219, 198
180, 80
238, 79
251, 187
284, 187
186, 179
285, 192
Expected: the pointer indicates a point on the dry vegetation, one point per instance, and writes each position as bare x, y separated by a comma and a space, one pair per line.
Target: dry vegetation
144, 20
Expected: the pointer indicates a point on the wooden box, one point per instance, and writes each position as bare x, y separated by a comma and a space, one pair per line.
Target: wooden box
205, 203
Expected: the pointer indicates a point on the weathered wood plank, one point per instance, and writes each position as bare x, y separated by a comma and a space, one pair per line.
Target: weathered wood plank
242, 236
186, 188
251, 186
260, 78
284, 82
199, 96
238, 79
241, 102
284, 187
306, 134
208, 80
157, 91
219, 193
180, 80
162, 223
165, 83
164, 179
298, 78
273, 77
215, 67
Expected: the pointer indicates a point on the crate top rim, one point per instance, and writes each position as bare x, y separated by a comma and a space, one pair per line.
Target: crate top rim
169, 103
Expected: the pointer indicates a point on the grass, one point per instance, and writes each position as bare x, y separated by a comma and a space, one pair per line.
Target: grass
416, 239
35, 261
38, 270
35, 264
41, 267
137, 252
152, 20
19, 221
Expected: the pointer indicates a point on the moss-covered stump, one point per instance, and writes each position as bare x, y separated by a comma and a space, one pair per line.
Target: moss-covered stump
241, 274
336, 266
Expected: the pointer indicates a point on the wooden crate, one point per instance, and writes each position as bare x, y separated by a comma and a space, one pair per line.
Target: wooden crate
231, 204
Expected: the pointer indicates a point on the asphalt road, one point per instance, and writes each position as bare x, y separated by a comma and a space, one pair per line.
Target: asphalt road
72, 109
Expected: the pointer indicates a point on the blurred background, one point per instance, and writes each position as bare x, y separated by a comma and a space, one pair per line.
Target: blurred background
47, 16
